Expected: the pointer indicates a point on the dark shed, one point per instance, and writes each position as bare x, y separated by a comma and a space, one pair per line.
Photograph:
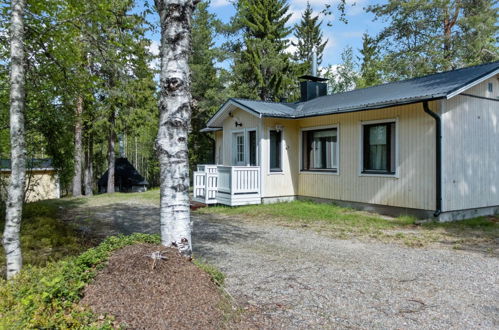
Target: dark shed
126, 178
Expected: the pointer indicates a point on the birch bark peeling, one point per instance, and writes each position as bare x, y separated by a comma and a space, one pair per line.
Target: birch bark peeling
174, 120
78, 148
15, 192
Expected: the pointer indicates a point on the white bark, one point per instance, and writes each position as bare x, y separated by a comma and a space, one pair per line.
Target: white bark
15, 192
111, 158
174, 119
78, 148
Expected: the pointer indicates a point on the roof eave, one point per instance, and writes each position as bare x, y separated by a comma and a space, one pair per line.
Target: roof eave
475, 82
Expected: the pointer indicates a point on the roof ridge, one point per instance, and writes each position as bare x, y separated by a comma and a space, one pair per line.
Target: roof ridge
261, 101
415, 78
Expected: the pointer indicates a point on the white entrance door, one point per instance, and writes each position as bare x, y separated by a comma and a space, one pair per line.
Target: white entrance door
239, 149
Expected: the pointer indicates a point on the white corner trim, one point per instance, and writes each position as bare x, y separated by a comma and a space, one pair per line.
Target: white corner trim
474, 83
397, 147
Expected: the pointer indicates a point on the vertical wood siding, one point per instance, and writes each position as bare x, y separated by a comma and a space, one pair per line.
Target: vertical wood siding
248, 120
415, 185
283, 183
219, 147
471, 149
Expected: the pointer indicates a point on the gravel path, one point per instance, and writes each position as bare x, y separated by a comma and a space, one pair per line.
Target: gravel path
291, 278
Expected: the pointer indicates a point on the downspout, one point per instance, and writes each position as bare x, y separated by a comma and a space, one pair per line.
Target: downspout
438, 157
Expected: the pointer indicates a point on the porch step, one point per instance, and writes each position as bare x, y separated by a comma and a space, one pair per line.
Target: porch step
197, 205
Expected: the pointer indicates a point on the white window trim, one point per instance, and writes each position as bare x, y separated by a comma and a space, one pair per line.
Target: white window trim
397, 146
245, 132
281, 172
300, 153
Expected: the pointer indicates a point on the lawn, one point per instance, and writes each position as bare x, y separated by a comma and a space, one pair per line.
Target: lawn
479, 233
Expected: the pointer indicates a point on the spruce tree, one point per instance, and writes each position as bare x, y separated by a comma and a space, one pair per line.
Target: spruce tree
208, 92
309, 35
262, 69
369, 74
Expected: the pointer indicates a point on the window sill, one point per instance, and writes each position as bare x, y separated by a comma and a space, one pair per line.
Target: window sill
319, 172
380, 174
275, 172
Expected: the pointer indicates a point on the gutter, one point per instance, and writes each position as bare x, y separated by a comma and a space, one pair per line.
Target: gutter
438, 157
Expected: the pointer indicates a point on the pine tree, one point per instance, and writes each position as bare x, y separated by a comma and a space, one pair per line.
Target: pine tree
424, 37
309, 35
262, 70
370, 63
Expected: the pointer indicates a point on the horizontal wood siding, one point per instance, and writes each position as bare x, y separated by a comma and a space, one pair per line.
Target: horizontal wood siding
471, 149
415, 185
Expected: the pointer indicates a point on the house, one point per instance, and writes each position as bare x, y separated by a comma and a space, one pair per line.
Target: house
126, 178
42, 180
427, 147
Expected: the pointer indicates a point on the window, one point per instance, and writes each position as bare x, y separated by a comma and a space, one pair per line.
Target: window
239, 149
490, 87
379, 148
320, 150
275, 151
252, 147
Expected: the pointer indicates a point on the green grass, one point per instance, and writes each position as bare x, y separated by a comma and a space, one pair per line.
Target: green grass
44, 238
344, 222
307, 212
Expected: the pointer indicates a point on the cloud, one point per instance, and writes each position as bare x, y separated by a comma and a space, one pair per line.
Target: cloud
220, 3
154, 50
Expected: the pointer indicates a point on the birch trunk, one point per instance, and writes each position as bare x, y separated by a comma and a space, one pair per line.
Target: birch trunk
89, 169
78, 148
174, 119
15, 192
111, 157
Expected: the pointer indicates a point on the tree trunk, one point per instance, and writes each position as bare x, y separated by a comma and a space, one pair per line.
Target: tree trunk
78, 148
15, 193
89, 169
174, 120
111, 156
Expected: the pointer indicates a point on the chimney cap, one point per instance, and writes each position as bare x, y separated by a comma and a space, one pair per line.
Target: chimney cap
312, 78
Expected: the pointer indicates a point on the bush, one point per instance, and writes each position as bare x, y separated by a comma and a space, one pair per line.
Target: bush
47, 297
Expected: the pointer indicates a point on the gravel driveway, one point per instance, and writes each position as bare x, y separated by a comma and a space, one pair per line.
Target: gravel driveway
295, 278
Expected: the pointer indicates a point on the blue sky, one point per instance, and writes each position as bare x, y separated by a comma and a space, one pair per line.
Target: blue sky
340, 35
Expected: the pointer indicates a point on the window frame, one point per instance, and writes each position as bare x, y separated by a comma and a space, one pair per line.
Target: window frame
280, 151
395, 172
338, 153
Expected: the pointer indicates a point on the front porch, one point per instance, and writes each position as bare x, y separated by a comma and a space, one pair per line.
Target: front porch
227, 185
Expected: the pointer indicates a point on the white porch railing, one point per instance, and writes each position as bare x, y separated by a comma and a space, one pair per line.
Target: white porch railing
229, 185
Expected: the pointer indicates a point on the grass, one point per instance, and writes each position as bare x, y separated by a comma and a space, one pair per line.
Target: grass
479, 233
44, 238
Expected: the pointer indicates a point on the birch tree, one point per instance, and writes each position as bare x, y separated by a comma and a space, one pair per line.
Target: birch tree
15, 192
175, 114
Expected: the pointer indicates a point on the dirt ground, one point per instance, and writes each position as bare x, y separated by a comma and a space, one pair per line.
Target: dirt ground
144, 293
294, 278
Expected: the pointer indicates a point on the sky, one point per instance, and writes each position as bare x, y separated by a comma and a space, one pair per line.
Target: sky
339, 35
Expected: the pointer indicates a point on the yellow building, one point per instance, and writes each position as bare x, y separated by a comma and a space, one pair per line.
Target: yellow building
426, 146
42, 181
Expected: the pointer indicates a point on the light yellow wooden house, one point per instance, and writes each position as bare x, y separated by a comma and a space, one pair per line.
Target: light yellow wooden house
427, 146
42, 180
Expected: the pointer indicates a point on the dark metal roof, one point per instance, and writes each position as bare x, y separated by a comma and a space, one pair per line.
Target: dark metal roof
435, 86
33, 164
125, 174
